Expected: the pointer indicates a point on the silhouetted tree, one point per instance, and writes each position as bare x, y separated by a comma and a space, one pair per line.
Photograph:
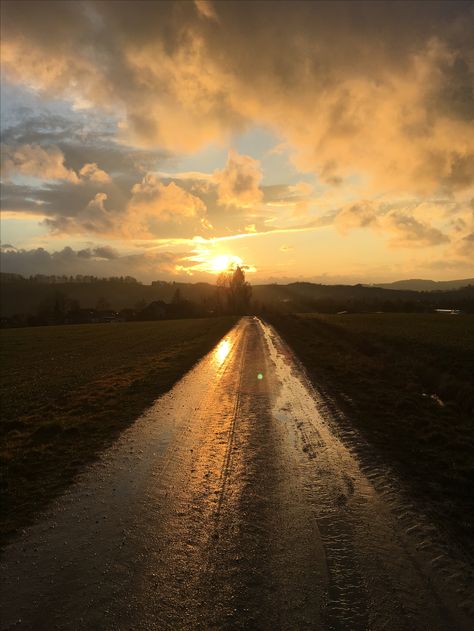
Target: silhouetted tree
234, 291
53, 308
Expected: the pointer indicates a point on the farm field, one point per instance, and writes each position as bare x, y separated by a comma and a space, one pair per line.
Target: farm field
68, 391
405, 381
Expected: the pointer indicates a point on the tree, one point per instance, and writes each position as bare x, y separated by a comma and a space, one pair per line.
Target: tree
177, 299
234, 291
54, 307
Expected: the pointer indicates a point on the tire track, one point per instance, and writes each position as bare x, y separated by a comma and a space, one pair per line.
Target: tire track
226, 466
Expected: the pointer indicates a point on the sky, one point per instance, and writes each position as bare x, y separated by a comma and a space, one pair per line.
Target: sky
322, 141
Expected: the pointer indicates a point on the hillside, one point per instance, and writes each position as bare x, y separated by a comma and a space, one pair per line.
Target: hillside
419, 284
309, 297
26, 296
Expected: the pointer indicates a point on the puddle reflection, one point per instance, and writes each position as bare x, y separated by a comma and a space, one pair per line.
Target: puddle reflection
222, 351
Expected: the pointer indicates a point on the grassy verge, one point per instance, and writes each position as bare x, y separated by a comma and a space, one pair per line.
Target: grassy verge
406, 382
67, 392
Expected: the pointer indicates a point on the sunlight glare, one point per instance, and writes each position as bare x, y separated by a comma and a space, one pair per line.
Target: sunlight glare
222, 351
223, 262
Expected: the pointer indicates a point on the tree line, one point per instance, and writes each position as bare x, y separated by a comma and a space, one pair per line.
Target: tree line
28, 303
232, 295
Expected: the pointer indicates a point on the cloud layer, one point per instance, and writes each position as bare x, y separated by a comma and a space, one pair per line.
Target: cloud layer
373, 101
101, 261
380, 89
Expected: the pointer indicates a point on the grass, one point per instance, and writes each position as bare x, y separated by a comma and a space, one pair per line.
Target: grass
68, 391
407, 382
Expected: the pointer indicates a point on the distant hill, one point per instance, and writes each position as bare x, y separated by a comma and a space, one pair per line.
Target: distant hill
312, 297
419, 284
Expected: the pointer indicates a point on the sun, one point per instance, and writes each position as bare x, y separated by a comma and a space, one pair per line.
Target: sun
223, 262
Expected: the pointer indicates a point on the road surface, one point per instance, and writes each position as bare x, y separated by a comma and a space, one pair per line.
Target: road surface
234, 503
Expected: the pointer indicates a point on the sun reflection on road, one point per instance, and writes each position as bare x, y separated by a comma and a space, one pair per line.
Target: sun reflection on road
222, 351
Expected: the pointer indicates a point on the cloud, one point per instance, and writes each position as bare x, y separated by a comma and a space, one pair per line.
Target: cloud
101, 261
297, 196
153, 209
99, 252
400, 225
154, 203
167, 202
238, 183
463, 232
406, 231
359, 215
104, 261
95, 218
464, 247
46, 163
383, 89
380, 93
83, 137
105, 252
158, 204
92, 172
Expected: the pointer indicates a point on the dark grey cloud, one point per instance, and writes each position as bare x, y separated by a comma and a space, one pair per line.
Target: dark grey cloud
100, 252
407, 231
60, 200
100, 261
83, 142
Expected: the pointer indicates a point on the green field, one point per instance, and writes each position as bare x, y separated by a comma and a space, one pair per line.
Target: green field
406, 381
68, 391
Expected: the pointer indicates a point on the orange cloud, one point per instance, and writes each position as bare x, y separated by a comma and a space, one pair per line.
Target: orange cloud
91, 171
46, 163
167, 202
238, 184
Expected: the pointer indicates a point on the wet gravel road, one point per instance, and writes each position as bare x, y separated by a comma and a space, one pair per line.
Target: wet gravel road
236, 502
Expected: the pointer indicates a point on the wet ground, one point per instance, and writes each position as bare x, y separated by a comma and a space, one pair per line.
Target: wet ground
236, 503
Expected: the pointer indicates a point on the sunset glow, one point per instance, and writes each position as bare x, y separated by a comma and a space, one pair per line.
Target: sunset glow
335, 146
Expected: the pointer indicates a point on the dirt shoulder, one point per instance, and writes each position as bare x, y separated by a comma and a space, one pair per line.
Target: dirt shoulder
67, 392
404, 381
